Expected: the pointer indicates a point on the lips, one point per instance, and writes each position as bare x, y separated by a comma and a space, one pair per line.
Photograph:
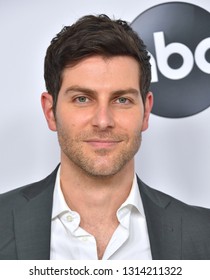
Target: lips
102, 143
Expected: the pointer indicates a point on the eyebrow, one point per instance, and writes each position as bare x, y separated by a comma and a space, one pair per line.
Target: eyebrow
85, 90
79, 89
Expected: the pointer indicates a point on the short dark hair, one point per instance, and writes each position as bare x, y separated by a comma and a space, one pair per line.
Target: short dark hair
94, 35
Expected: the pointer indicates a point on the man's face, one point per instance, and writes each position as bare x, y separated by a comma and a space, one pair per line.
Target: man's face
100, 115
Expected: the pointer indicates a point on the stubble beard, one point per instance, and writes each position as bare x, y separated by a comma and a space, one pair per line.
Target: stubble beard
101, 162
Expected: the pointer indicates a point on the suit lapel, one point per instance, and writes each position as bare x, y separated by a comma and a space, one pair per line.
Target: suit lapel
32, 220
163, 222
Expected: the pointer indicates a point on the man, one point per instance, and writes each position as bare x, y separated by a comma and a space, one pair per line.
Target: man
93, 206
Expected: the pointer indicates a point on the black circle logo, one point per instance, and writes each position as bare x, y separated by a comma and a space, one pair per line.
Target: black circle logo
177, 36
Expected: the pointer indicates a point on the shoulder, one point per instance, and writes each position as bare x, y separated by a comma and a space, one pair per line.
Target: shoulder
185, 227
25, 204
19, 195
172, 204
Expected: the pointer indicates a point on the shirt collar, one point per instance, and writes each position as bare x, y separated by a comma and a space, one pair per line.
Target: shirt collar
134, 198
60, 206
59, 203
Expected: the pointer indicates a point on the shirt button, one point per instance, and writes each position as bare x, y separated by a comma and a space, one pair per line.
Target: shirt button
85, 239
69, 218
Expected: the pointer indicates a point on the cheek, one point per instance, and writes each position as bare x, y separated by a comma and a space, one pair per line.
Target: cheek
78, 121
132, 122
70, 121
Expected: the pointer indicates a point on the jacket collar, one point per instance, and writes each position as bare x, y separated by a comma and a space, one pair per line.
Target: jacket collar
163, 222
32, 220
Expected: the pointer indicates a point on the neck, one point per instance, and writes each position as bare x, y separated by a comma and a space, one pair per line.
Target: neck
101, 195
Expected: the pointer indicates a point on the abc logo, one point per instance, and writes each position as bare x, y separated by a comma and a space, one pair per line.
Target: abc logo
177, 36
163, 52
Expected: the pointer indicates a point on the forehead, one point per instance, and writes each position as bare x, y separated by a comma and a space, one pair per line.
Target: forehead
101, 71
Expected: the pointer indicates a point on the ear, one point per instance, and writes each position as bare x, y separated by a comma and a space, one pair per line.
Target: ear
47, 107
147, 110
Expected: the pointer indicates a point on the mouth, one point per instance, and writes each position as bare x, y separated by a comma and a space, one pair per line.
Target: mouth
102, 143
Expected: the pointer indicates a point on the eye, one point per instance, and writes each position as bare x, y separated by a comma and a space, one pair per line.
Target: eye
122, 100
82, 99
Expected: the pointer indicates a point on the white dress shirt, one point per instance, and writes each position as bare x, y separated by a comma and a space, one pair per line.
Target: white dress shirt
70, 242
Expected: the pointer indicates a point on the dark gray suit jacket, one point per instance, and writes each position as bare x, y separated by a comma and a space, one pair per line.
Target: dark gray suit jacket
176, 230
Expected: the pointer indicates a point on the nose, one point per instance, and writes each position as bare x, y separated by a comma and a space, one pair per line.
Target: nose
103, 117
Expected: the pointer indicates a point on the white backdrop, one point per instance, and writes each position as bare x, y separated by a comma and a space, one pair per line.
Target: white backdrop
175, 153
